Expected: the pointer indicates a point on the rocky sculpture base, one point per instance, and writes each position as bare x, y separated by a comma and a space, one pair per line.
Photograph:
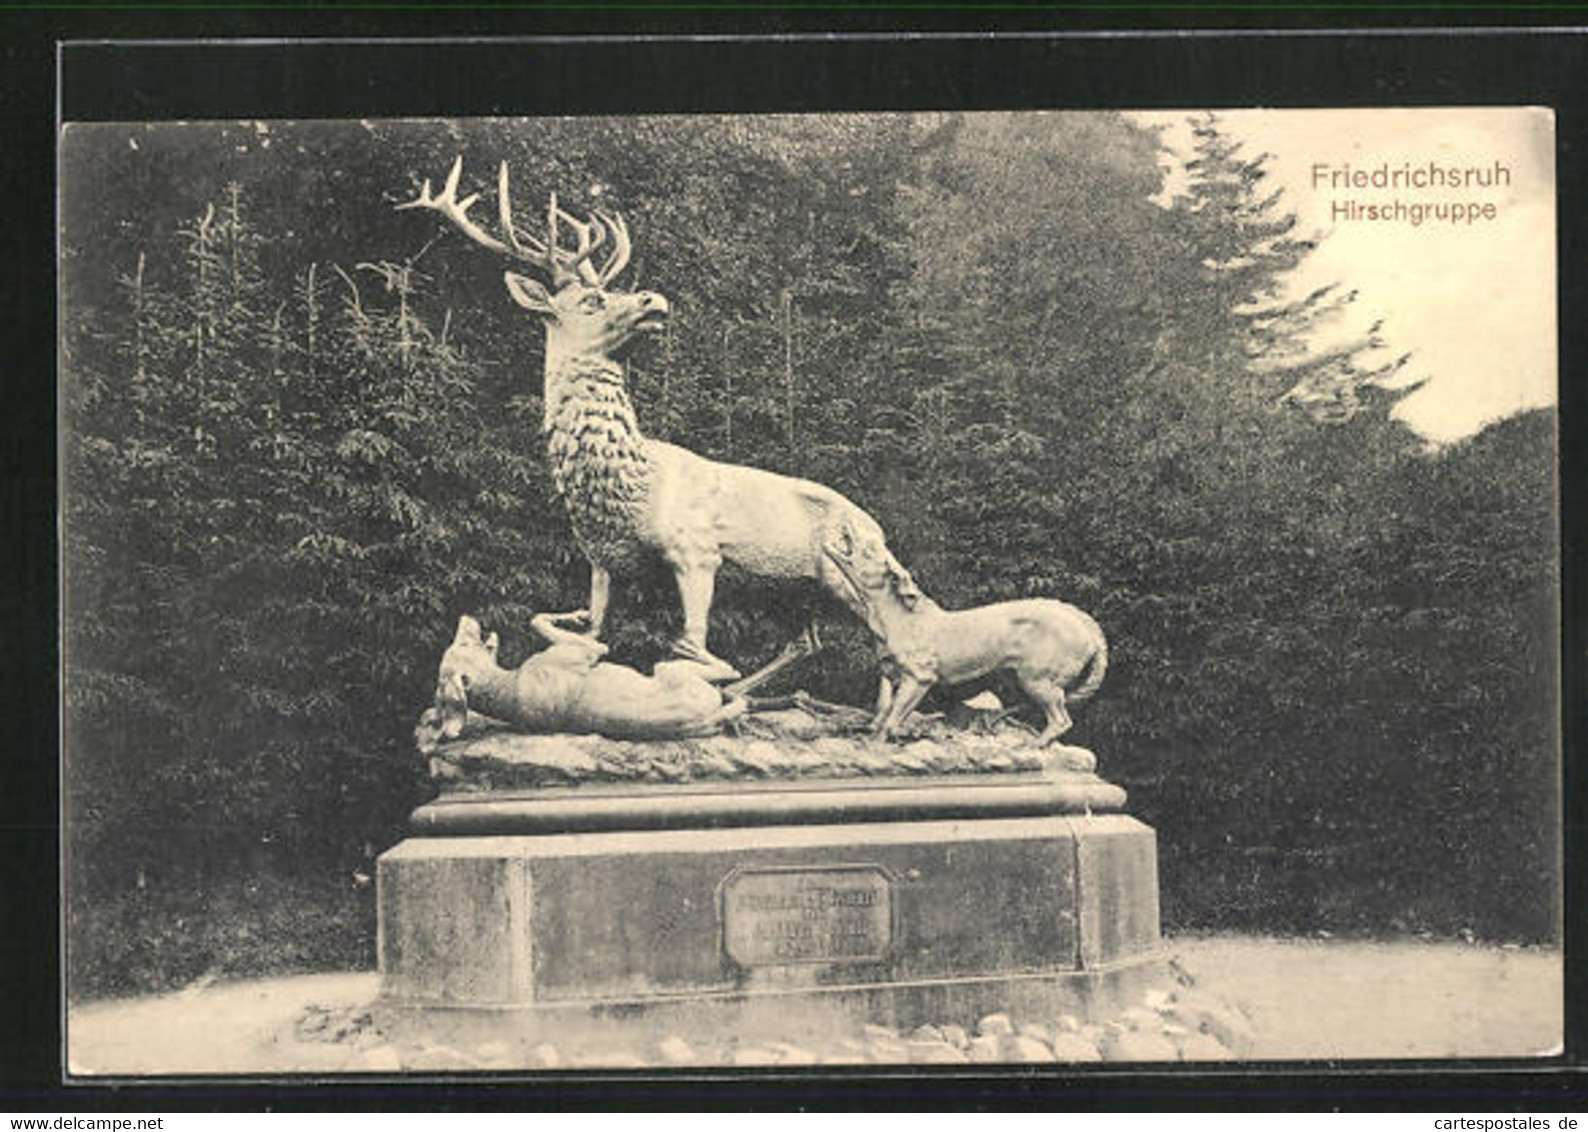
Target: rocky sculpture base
806, 740
770, 897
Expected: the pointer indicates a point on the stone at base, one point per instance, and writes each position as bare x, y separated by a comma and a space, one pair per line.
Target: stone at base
899, 922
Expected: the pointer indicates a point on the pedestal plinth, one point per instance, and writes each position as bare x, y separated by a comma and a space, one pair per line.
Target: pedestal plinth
900, 900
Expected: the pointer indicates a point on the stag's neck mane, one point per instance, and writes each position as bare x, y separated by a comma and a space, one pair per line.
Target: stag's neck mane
596, 452
582, 389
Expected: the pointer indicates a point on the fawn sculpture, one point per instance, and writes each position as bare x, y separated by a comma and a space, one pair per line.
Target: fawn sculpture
629, 495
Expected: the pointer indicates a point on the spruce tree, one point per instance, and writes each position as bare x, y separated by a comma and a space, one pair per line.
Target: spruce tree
1306, 350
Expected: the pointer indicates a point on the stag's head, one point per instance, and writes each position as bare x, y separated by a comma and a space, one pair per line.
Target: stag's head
584, 315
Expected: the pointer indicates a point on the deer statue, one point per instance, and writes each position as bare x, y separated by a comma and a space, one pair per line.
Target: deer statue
569, 688
1056, 652
629, 495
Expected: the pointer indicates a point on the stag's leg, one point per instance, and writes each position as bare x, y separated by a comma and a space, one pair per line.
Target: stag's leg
590, 619
695, 586
600, 598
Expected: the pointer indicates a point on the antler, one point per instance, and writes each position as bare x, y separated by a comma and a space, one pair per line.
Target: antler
619, 258
448, 205
564, 266
591, 236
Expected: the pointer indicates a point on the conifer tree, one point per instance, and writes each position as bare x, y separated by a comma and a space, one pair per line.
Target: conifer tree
1301, 349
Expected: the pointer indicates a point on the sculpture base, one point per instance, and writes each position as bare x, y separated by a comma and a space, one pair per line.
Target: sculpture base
764, 925
636, 806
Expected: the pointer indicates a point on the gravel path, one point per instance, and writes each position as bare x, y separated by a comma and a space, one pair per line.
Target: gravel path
1262, 998
1315, 998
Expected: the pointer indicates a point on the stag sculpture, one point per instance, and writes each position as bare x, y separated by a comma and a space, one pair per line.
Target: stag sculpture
629, 495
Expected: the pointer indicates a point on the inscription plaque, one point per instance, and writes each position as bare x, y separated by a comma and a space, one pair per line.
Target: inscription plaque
835, 914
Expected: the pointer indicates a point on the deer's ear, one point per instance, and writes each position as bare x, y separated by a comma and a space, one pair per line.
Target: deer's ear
528, 293
904, 585
492, 644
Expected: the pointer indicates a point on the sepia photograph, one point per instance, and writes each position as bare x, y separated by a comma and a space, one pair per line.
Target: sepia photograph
686, 592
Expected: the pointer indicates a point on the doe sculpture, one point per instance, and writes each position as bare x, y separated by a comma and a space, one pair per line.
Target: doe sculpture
1056, 652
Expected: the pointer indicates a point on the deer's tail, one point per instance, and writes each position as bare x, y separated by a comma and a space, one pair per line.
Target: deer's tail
1096, 667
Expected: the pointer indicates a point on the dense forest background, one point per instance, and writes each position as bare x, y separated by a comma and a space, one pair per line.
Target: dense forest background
301, 436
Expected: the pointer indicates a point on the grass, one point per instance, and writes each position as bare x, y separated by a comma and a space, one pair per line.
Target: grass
169, 934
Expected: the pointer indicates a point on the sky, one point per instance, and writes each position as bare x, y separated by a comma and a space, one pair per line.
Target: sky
1474, 303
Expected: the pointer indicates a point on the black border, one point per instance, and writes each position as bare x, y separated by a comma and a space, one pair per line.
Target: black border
1380, 63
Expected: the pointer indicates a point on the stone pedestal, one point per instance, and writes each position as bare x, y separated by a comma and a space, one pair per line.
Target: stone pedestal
897, 901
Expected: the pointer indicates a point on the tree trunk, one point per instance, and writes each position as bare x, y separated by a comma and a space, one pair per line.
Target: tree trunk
788, 365
727, 393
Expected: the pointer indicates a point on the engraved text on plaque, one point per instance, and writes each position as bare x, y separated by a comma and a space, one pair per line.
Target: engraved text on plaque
840, 913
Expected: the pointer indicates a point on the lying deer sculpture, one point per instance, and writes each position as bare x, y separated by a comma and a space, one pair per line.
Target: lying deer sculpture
568, 688
1056, 652
629, 495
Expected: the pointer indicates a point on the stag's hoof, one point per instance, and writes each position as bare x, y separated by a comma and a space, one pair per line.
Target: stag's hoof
715, 670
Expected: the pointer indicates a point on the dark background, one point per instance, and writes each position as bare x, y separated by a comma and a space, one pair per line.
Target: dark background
1426, 74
